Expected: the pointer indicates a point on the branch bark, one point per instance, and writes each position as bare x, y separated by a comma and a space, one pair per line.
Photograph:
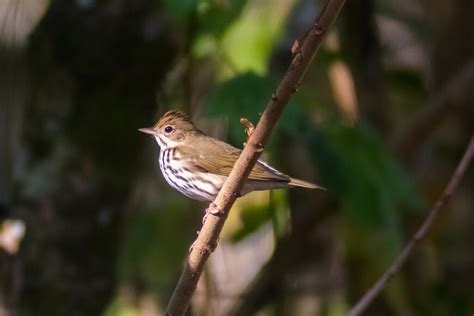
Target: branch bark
372, 293
303, 55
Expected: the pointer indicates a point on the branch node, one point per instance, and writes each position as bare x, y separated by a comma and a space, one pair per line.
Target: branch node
214, 210
295, 88
274, 97
296, 51
249, 127
259, 147
318, 29
295, 48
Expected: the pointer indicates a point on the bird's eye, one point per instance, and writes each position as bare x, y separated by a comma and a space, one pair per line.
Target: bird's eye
168, 129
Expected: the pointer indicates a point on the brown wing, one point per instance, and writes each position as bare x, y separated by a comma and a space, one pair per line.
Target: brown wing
218, 157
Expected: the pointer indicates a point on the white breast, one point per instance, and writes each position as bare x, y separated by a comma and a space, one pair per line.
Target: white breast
200, 186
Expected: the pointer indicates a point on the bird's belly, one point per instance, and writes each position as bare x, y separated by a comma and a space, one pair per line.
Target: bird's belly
200, 186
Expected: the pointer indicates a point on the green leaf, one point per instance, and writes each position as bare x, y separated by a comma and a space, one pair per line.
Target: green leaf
216, 16
181, 9
155, 244
373, 187
246, 95
407, 89
280, 213
248, 42
253, 217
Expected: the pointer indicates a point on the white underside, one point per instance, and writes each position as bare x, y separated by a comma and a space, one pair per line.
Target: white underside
187, 183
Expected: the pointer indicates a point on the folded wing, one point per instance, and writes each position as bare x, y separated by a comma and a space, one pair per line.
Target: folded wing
220, 158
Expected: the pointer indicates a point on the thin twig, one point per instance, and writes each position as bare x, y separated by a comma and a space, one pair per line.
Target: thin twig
370, 295
219, 209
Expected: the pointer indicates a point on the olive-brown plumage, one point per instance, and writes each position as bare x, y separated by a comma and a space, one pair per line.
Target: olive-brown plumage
197, 165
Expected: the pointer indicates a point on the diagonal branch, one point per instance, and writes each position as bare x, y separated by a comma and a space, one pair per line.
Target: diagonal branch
303, 55
372, 293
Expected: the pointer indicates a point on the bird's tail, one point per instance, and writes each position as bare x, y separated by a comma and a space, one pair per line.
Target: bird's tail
300, 183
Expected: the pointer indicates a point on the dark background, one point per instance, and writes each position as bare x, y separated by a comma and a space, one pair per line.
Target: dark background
89, 227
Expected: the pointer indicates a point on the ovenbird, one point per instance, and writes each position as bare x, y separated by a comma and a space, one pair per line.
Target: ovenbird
197, 165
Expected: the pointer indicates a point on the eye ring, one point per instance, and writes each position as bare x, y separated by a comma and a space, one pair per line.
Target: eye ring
168, 129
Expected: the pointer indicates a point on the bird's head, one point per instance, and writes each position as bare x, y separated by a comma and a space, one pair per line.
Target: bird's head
172, 129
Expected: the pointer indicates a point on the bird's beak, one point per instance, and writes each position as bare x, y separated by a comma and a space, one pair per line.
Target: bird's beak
147, 130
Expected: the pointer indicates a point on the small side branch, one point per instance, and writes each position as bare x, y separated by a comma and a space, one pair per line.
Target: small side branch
372, 293
209, 234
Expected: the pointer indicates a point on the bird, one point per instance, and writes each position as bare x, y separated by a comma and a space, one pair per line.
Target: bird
197, 165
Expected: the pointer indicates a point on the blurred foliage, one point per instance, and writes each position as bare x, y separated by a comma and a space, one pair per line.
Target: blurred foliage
252, 217
246, 95
352, 161
408, 89
151, 228
355, 164
211, 16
